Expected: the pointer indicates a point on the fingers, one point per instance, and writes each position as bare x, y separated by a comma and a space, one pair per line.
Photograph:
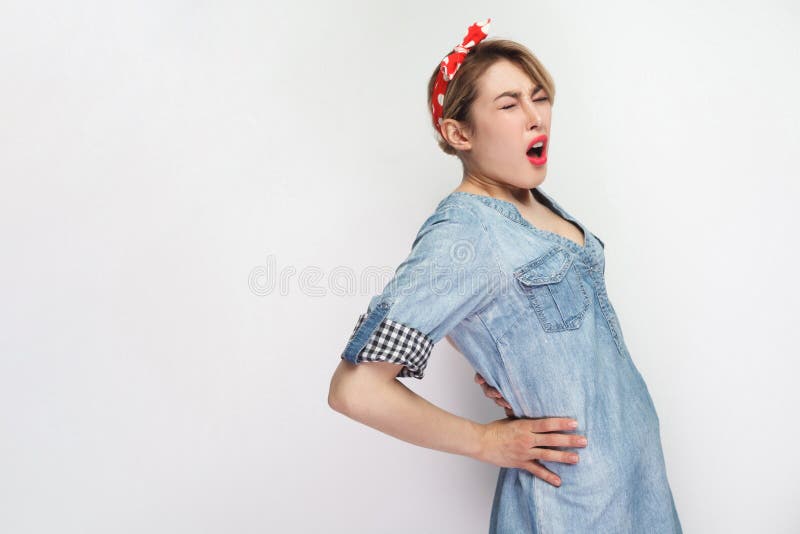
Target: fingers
510, 443
485, 385
492, 393
545, 433
502, 403
551, 455
538, 470
553, 424
560, 440
498, 399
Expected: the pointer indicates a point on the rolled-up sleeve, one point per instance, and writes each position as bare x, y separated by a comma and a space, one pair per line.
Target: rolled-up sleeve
449, 275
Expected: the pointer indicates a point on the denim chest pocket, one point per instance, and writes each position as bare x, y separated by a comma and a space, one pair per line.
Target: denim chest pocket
555, 290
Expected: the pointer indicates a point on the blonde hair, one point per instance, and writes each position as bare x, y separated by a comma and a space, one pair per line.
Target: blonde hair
462, 90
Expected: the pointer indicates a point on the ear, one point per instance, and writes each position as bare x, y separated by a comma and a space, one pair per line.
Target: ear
456, 134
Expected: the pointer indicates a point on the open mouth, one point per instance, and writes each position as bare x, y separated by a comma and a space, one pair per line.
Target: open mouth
537, 150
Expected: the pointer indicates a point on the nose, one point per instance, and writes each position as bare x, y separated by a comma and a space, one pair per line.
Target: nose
533, 115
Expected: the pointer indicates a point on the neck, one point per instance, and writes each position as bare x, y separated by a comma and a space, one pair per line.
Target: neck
520, 196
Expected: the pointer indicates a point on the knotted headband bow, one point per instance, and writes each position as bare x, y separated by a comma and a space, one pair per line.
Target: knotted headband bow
449, 66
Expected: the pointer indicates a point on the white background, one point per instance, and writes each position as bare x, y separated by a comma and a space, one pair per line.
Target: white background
159, 159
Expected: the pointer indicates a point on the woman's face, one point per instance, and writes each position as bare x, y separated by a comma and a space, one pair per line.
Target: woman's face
504, 127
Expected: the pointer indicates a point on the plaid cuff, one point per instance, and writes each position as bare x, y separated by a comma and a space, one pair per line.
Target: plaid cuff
396, 343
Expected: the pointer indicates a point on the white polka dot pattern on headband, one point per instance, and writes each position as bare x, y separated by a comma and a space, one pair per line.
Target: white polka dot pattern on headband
450, 64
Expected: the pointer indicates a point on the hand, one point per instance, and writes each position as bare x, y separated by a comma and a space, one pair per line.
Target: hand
492, 393
521, 443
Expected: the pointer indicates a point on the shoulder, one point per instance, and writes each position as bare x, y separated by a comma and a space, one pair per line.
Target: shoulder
452, 219
451, 224
453, 243
459, 208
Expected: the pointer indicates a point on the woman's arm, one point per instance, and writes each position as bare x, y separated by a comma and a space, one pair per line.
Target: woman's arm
371, 394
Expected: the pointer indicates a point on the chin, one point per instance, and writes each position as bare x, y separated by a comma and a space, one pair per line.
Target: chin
539, 180
538, 177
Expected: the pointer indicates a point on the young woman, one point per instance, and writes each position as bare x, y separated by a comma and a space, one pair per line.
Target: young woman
516, 284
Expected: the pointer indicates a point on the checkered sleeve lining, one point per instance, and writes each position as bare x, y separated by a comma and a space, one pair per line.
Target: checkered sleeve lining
397, 343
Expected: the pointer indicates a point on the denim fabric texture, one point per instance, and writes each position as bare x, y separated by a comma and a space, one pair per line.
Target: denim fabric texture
529, 310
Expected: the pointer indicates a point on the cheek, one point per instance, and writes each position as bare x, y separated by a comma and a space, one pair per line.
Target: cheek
500, 144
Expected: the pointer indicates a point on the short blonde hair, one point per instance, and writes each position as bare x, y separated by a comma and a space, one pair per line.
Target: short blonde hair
462, 90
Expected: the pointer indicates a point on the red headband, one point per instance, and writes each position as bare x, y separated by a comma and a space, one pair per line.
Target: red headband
449, 65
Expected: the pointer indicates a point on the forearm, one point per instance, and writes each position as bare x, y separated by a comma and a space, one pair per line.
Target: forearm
392, 408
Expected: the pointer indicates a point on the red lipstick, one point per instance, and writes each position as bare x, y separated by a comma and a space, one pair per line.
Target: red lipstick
537, 150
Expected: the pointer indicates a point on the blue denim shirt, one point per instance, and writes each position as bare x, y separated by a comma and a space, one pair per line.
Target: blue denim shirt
529, 309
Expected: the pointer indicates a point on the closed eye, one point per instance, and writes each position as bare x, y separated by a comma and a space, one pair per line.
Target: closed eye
537, 100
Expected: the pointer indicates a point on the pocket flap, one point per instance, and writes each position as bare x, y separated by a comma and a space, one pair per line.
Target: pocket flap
548, 268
